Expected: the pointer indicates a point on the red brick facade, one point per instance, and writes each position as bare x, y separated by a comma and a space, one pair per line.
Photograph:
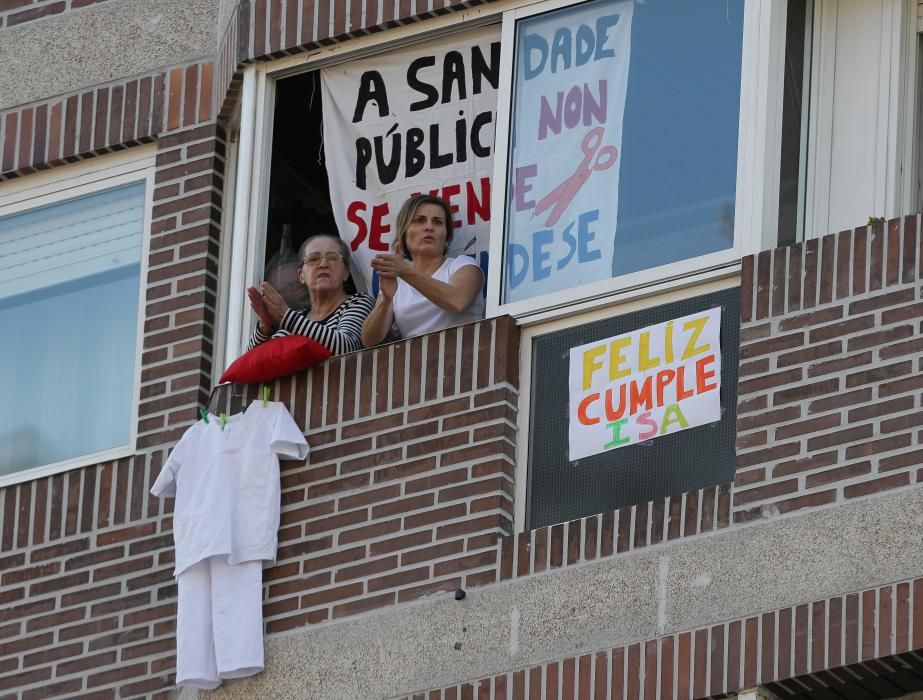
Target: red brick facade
410, 478
408, 487
16, 12
821, 645
108, 118
831, 353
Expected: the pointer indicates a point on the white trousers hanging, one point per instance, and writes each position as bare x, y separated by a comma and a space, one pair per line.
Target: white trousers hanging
219, 622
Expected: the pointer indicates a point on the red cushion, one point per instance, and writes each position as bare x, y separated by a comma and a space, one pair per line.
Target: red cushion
275, 358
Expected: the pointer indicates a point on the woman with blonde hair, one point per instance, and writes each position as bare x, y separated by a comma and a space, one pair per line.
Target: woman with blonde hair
422, 289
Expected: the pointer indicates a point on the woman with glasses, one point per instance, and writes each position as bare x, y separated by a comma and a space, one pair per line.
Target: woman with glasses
335, 318
422, 289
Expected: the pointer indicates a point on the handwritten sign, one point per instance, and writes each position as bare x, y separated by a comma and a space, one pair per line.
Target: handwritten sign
645, 384
570, 85
419, 119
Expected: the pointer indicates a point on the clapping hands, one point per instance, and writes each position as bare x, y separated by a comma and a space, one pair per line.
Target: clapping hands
268, 304
390, 266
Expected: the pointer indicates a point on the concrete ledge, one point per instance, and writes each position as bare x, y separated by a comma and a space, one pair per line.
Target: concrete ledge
660, 590
102, 43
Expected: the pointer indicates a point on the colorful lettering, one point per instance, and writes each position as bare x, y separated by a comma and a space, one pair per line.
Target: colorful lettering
582, 415
697, 325
617, 359
590, 364
645, 419
617, 439
673, 414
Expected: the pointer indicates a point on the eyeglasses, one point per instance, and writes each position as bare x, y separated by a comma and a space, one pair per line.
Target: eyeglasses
329, 257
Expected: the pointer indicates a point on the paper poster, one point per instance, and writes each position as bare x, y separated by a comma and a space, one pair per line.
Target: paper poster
420, 119
570, 82
642, 385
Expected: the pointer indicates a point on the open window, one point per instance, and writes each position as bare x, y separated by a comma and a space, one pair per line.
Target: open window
686, 95
634, 153
299, 192
337, 146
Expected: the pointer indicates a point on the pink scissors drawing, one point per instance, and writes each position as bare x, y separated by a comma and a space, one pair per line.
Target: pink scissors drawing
595, 157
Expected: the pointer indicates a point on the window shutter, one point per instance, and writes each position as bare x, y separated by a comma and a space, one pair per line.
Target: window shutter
69, 240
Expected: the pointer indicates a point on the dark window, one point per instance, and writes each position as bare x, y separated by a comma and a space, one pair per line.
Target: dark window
560, 490
794, 121
299, 194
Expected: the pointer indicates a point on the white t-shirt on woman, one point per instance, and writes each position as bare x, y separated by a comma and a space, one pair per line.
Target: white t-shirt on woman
414, 314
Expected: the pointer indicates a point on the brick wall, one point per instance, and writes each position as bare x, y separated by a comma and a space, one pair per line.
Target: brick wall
182, 283
831, 367
87, 598
408, 491
16, 12
86, 589
831, 370
410, 477
277, 27
615, 532
804, 642
109, 117
408, 486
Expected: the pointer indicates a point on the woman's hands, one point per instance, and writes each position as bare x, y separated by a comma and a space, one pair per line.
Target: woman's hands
387, 284
274, 302
268, 304
390, 266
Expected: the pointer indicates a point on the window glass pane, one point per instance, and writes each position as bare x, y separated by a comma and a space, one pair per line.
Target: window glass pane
623, 152
69, 285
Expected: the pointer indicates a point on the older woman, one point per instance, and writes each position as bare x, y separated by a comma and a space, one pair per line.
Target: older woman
423, 290
335, 317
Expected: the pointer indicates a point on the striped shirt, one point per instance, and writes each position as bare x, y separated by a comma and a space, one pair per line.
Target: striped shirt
339, 332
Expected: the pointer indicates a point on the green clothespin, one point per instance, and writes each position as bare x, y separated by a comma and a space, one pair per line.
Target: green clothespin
265, 396
224, 420
204, 414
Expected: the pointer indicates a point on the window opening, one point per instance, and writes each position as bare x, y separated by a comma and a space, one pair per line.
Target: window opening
423, 120
299, 192
796, 101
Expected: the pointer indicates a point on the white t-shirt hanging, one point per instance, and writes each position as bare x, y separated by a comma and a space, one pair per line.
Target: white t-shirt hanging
414, 314
226, 484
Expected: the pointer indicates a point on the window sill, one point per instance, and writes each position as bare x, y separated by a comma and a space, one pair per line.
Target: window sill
65, 465
633, 297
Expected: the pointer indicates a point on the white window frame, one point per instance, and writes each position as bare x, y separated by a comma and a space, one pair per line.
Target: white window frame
756, 206
68, 182
758, 162
254, 151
